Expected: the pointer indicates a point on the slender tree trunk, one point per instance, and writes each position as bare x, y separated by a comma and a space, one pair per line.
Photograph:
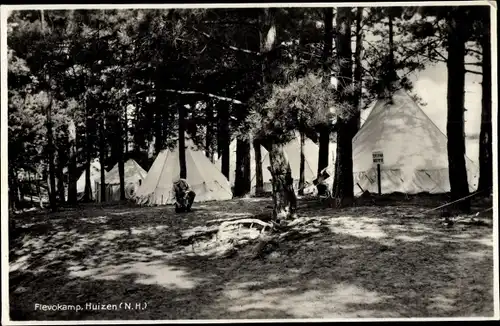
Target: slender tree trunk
358, 69
31, 187
343, 191
182, 142
72, 177
302, 165
14, 190
485, 137
242, 175
102, 157
121, 161
456, 93
139, 137
265, 45
285, 201
21, 192
224, 139
209, 136
324, 132
392, 68
259, 179
88, 195
39, 192
158, 125
61, 162
125, 129
50, 154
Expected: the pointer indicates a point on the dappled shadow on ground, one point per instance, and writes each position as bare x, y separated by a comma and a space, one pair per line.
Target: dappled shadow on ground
366, 262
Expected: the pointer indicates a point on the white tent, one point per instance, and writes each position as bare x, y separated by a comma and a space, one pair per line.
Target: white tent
202, 175
133, 173
95, 173
414, 151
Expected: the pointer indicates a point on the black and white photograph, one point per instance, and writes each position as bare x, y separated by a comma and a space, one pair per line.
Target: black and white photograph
249, 162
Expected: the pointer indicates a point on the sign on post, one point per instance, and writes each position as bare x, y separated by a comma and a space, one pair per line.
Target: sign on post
378, 158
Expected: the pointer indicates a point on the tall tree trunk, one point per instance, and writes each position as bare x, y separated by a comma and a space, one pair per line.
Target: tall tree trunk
39, 192
242, 175
102, 157
302, 165
358, 69
485, 137
50, 154
158, 126
182, 142
30, 181
120, 155
14, 190
224, 138
88, 195
259, 179
72, 176
125, 130
456, 93
61, 162
343, 191
324, 132
285, 201
392, 68
209, 136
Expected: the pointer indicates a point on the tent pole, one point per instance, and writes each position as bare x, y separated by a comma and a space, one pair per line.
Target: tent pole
362, 190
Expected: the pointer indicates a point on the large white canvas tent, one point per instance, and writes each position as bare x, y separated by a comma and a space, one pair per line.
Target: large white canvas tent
134, 174
95, 171
202, 175
414, 151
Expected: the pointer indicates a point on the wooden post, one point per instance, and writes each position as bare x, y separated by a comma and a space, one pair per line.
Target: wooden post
31, 189
378, 158
378, 180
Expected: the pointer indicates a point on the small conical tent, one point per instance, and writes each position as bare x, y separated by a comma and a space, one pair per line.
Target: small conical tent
95, 171
134, 174
414, 151
202, 175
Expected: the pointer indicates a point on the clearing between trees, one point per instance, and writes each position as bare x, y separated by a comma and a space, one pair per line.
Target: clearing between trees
367, 261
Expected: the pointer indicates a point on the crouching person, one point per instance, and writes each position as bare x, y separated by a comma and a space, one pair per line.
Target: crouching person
322, 186
184, 196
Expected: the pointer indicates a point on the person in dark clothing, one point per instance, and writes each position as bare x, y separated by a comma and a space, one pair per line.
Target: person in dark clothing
321, 185
184, 196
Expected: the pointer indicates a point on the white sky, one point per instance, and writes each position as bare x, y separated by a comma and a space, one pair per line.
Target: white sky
430, 85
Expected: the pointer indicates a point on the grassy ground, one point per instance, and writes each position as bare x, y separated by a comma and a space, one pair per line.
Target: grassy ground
368, 261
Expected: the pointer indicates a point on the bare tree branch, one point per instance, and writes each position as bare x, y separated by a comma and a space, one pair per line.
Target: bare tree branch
474, 51
184, 92
418, 51
478, 64
473, 72
440, 55
234, 48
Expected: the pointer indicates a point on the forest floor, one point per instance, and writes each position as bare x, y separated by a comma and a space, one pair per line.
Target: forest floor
379, 261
